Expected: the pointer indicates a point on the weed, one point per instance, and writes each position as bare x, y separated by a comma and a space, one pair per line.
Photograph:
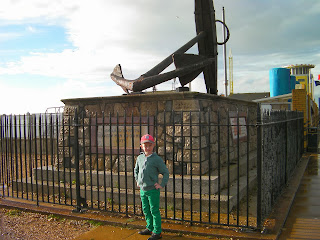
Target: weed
14, 212
55, 217
95, 223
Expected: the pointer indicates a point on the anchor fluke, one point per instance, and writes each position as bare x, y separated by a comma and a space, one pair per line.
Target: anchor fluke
184, 60
118, 78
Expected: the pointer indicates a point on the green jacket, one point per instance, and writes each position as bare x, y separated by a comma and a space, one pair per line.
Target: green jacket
147, 169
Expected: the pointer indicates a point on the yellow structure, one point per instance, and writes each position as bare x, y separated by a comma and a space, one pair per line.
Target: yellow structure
231, 72
304, 79
302, 102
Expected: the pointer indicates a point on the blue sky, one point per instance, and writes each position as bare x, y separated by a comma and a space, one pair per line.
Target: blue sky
53, 50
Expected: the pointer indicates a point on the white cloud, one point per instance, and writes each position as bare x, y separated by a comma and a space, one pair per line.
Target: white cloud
139, 34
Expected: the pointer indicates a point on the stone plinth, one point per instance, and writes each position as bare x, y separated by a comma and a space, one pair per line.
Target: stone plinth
185, 126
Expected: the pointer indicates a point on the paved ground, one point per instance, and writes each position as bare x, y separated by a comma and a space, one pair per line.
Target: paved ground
117, 233
304, 219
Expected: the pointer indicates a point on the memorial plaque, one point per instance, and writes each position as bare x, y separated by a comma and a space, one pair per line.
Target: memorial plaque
119, 135
242, 133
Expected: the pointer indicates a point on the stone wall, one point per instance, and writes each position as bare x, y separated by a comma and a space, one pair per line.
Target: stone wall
190, 129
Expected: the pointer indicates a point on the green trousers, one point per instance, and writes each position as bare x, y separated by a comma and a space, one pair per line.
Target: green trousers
150, 207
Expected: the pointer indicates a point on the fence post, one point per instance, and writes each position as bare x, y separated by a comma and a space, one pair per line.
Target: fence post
259, 172
286, 149
80, 201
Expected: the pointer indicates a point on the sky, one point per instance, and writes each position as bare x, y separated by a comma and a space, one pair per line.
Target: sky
53, 50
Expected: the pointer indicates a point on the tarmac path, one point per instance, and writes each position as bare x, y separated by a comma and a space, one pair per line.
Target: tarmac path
304, 218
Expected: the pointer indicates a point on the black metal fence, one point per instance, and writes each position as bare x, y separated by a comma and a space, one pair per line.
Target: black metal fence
217, 161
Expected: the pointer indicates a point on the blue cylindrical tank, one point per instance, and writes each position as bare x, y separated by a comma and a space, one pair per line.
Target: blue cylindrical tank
279, 81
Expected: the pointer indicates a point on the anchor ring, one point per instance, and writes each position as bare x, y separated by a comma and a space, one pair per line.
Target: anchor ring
228, 33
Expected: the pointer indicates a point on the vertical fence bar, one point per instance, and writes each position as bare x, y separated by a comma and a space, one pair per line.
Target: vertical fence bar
298, 145
30, 129
52, 156
25, 154
248, 166
47, 156
58, 157
111, 160
7, 155
84, 153
36, 158
2, 139
70, 158
259, 166
133, 180
15, 159
97, 161
64, 159
40, 153
200, 163
118, 155
104, 162
166, 161
182, 168
10, 147
90, 158
76, 160
219, 166
173, 164
286, 150
238, 167
209, 156
2, 174
20, 156
228, 168
4, 142
191, 174
125, 160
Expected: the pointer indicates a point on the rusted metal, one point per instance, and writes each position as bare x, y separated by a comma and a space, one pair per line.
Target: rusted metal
182, 60
205, 21
188, 67
127, 84
146, 82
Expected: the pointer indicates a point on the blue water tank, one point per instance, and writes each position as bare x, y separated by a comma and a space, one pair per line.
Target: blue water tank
279, 81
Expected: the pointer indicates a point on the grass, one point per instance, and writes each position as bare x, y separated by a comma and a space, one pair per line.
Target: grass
55, 217
94, 223
14, 212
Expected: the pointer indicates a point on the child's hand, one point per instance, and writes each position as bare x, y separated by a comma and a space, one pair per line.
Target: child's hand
157, 186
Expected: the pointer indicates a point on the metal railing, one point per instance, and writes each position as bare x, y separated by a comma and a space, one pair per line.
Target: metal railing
217, 161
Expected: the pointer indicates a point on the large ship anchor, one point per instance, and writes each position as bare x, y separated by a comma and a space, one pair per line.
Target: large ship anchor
188, 66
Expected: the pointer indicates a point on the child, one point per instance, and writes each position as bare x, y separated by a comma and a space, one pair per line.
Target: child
148, 166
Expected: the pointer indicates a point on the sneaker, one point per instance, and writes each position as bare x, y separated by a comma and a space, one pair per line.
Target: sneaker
155, 236
145, 232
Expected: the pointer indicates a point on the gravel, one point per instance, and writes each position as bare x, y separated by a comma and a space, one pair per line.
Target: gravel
16, 224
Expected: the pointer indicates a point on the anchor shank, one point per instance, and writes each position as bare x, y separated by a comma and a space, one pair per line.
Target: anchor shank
147, 82
167, 61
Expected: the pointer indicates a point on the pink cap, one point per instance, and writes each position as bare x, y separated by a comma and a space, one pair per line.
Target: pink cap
147, 138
